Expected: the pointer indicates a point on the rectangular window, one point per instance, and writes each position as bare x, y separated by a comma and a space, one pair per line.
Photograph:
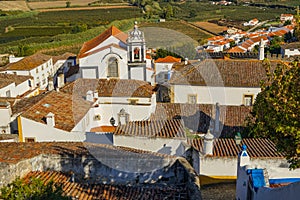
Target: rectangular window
8, 94
248, 100
192, 98
29, 139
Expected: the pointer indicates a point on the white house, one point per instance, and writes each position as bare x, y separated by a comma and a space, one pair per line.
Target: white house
286, 17
228, 82
12, 85
115, 54
162, 136
116, 101
290, 49
252, 22
163, 68
209, 155
57, 116
265, 181
39, 66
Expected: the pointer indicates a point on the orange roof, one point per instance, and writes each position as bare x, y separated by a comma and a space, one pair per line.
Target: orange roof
286, 15
112, 31
29, 62
236, 49
168, 59
216, 38
100, 49
106, 129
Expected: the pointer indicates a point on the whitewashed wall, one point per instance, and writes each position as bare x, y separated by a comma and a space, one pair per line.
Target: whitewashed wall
288, 52
5, 114
11, 87
212, 95
161, 145
106, 111
45, 133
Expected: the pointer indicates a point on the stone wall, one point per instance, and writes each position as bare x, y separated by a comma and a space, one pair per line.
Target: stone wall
87, 168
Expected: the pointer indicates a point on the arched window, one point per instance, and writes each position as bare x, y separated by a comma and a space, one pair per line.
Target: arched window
112, 67
136, 53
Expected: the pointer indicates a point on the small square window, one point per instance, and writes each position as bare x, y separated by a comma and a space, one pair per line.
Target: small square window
28, 139
192, 98
248, 100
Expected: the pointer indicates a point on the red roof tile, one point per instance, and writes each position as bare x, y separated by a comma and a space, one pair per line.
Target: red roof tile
222, 73
68, 110
112, 31
168, 59
29, 62
112, 87
106, 129
227, 147
161, 128
197, 116
84, 191
7, 79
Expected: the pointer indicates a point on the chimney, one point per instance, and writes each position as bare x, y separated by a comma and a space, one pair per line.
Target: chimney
60, 80
243, 157
50, 84
261, 51
50, 119
186, 60
208, 143
90, 96
96, 94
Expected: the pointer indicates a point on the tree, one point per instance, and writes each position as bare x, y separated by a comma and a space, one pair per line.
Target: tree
275, 45
35, 189
275, 112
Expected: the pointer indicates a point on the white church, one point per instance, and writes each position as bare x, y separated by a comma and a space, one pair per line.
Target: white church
115, 54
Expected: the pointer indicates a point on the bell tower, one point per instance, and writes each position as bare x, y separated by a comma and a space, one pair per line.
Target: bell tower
136, 48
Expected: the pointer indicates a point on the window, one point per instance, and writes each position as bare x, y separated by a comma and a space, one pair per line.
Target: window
192, 98
248, 100
166, 76
112, 67
8, 94
29, 83
69, 64
123, 117
37, 70
136, 53
28, 139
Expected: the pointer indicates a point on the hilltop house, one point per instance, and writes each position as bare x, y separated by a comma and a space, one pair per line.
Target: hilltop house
114, 54
56, 116
39, 66
252, 22
116, 101
163, 68
290, 49
228, 82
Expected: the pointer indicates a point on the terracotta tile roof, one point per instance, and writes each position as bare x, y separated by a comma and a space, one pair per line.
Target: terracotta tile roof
112, 31
68, 110
26, 103
10, 100
7, 79
29, 62
168, 59
228, 73
197, 116
65, 56
226, 147
100, 49
84, 191
13, 152
105, 129
237, 49
293, 45
215, 38
278, 33
161, 128
112, 87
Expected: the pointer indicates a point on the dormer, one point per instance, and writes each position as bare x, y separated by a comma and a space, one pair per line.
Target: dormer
50, 119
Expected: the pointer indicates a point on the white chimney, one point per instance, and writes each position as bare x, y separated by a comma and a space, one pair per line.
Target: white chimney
186, 60
60, 80
90, 96
261, 51
208, 143
50, 119
50, 85
96, 94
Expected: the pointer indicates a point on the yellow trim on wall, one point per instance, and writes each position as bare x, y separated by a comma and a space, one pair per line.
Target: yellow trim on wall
20, 129
206, 180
